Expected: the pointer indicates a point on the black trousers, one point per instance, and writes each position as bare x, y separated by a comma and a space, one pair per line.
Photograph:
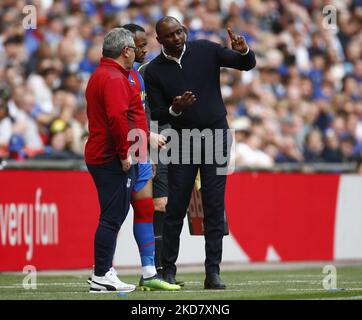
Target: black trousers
114, 187
181, 180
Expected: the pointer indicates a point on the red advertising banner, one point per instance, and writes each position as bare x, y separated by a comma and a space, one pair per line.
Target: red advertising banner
292, 213
47, 219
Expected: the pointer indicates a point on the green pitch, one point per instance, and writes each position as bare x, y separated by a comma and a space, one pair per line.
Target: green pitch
282, 284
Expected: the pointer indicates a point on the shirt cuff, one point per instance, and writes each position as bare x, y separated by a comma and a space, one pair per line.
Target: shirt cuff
173, 113
245, 53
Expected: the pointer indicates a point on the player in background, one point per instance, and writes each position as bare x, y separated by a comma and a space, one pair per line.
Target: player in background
160, 180
142, 195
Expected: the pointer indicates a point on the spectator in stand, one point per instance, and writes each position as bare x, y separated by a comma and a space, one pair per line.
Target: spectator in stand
313, 147
26, 140
58, 149
288, 151
348, 153
14, 50
78, 130
42, 85
5, 125
248, 147
305, 72
332, 152
90, 62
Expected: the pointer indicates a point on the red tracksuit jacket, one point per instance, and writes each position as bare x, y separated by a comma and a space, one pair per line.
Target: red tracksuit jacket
114, 107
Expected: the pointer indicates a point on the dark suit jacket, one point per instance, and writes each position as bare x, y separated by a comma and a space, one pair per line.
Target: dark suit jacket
200, 73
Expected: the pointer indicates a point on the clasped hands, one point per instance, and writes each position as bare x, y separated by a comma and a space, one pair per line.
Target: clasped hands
181, 103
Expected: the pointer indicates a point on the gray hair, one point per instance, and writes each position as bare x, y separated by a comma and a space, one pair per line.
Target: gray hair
115, 41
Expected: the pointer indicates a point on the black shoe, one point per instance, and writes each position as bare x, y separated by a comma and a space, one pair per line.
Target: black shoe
170, 278
160, 272
213, 281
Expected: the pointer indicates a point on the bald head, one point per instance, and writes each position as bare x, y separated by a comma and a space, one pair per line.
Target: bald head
171, 35
164, 20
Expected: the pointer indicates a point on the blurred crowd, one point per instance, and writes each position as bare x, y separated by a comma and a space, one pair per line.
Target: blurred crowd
303, 102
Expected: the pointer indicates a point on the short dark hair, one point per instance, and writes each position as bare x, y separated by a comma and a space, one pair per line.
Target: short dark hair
14, 40
133, 28
348, 139
162, 20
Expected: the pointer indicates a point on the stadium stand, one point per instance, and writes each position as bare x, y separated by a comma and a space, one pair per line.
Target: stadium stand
302, 104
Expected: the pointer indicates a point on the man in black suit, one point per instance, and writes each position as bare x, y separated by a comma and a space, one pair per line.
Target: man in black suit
183, 89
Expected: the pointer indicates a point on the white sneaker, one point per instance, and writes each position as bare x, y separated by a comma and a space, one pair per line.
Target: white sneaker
110, 282
89, 280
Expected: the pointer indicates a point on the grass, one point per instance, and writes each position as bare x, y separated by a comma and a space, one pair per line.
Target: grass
276, 284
